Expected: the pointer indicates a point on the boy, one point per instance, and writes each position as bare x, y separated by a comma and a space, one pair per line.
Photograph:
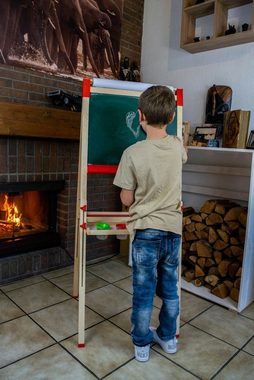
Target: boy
149, 175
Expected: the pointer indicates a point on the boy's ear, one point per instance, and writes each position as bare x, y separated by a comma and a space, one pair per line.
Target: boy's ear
141, 115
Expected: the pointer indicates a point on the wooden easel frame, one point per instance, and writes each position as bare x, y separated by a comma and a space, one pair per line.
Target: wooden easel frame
84, 218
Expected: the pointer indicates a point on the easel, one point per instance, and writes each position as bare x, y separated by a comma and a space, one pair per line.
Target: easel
85, 220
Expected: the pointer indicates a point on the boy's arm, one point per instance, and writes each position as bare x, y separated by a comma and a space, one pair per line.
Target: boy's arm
125, 179
184, 154
127, 197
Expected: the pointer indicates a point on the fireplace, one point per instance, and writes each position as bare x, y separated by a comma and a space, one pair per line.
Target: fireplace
28, 216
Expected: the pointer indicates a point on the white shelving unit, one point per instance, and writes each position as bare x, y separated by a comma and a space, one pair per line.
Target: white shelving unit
220, 173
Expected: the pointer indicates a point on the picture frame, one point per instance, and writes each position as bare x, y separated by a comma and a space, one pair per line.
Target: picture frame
235, 129
205, 133
250, 142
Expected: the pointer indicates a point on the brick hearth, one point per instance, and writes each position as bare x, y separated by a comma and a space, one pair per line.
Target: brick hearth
28, 160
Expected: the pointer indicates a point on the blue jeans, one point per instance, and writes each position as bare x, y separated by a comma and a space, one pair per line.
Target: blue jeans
155, 257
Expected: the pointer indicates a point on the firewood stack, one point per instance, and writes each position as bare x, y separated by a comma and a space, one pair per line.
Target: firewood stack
213, 245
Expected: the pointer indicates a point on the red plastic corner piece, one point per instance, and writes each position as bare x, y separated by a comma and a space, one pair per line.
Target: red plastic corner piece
86, 88
83, 225
177, 336
179, 95
120, 226
83, 208
81, 345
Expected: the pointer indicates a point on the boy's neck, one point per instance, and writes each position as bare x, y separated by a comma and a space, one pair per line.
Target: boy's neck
156, 132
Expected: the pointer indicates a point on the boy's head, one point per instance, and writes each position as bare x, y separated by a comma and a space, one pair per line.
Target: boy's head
157, 104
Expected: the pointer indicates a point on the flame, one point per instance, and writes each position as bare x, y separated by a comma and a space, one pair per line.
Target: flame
13, 215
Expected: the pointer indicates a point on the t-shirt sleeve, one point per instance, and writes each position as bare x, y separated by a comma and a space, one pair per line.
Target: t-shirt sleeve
125, 177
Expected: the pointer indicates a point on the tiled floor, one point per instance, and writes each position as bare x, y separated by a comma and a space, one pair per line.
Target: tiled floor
38, 332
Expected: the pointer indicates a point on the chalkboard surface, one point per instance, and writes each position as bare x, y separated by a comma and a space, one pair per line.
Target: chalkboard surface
113, 126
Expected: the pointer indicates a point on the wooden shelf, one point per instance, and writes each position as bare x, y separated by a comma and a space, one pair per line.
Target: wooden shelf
111, 217
91, 230
42, 122
192, 12
204, 293
212, 173
202, 9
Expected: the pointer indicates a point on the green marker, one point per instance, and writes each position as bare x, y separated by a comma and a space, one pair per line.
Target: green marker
102, 226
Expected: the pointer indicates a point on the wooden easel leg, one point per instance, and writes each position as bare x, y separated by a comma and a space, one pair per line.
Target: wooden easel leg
82, 283
75, 289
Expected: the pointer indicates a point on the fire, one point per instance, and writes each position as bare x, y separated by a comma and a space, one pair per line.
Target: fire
12, 214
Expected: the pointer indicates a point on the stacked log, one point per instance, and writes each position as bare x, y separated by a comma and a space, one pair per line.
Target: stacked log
213, 246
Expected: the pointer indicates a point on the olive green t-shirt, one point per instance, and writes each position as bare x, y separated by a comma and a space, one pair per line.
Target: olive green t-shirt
153, 169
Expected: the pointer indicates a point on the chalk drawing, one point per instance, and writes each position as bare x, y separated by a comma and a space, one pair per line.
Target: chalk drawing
130, 116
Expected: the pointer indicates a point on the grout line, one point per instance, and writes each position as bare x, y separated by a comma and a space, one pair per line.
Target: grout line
242, 349
27, 356
198, 315
208, 333
177, 364
116, 369
80, 362
225, 364
21, 287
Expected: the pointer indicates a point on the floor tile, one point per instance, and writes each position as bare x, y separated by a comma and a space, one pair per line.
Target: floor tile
52, 363
37, 296
249, 311
157, 367
110, 271
157, 302
200, 353
216, 322
94, 282
22, 337
192, 305
241, 367
58, 272
249, 347
125, 284
61, 320
124, 259
108, 301
20, 284
64, 282
107, 348
8, 310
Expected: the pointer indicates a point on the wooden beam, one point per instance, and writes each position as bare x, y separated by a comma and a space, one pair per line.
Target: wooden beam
32, 121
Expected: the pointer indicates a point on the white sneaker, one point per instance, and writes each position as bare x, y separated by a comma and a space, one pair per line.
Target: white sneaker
169, 346
142, 353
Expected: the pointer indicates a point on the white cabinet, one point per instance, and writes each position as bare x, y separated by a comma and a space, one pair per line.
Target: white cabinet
220, 173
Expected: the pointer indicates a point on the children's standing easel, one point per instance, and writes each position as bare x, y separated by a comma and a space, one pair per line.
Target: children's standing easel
109, 124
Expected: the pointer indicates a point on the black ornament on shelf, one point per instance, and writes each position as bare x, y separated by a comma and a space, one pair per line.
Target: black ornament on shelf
231, 30
245, 27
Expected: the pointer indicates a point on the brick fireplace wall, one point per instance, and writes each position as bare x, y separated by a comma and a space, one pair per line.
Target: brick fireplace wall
27, 159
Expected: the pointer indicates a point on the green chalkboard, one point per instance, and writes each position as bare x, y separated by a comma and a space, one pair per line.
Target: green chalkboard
113, 126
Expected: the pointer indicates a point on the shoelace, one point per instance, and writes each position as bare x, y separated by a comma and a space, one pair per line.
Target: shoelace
142, 352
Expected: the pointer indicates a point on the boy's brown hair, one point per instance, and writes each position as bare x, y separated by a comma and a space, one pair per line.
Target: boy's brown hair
158, 104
